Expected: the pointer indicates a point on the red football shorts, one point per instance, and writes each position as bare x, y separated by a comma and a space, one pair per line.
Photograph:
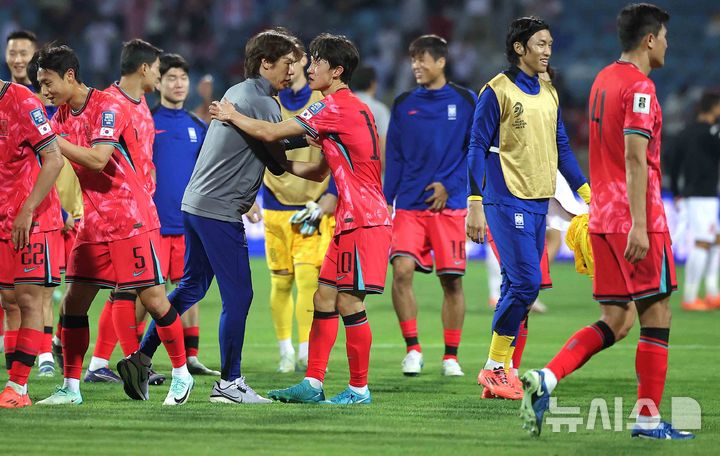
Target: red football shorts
36, 264
357, 260
69, 241
415, 234
546, 280
126, 264
172, 256
616, 280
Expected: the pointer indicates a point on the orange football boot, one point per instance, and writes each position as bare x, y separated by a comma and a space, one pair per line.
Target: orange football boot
9, 398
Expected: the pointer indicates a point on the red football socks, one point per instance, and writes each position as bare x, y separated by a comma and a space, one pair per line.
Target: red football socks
46, 340
192, 340
169, 328
140, 329
580, 348
123, 318
10, 342
410, 333
452, 342
520, 341
75, 341
651, 367
26, 350
106, 337
358, 341
323, 333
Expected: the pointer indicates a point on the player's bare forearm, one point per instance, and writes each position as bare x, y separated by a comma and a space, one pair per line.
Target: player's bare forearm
225, 111
49, 172
636, 181
311, 171
52, 163
94, 158
636, 178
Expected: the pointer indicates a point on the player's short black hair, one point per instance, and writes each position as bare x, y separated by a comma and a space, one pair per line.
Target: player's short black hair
169, 61
363, 78
136, 52
637, 20
22, 35
708, 101
57, 58
270, 45
432, 44
339, 51
520, 31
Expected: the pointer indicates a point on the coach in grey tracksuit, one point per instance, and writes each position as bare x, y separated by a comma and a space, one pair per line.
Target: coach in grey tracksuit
222, 188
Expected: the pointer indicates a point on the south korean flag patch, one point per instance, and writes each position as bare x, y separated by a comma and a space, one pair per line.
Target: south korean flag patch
312, 110
107, 129
641, 103
38, 118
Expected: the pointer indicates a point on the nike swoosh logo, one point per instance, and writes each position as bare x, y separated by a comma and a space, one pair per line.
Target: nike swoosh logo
138, 273
341, 277
458, 262
184, 398
29, 269
157, 132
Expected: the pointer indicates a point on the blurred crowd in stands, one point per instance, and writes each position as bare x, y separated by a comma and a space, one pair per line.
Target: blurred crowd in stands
211, 34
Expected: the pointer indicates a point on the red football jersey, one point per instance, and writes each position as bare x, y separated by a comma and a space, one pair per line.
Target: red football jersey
622, 102
347, 132
144, 126
117, 206
24, 131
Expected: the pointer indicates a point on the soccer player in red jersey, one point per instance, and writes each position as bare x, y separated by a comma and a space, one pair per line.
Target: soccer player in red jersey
21, 44
356, 261
30, 221
116, 247
628, 229
139, 74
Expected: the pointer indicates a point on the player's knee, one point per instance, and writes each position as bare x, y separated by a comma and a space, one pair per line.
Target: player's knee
324, 299
451, 284
243, 296
306, 278
403, 270
8, 302
402, 278
281, 282
191, 291
29, 303
618, 325
527, 289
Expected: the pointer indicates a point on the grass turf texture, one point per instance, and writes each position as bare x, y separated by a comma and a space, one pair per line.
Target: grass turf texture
428, 414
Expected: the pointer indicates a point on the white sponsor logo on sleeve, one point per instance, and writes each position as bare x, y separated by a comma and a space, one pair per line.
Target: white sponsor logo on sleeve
641, 103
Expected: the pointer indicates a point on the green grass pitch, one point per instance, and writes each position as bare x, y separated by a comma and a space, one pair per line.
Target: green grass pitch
424, 415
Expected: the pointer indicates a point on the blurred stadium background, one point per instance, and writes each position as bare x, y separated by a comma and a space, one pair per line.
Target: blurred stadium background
211, 35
